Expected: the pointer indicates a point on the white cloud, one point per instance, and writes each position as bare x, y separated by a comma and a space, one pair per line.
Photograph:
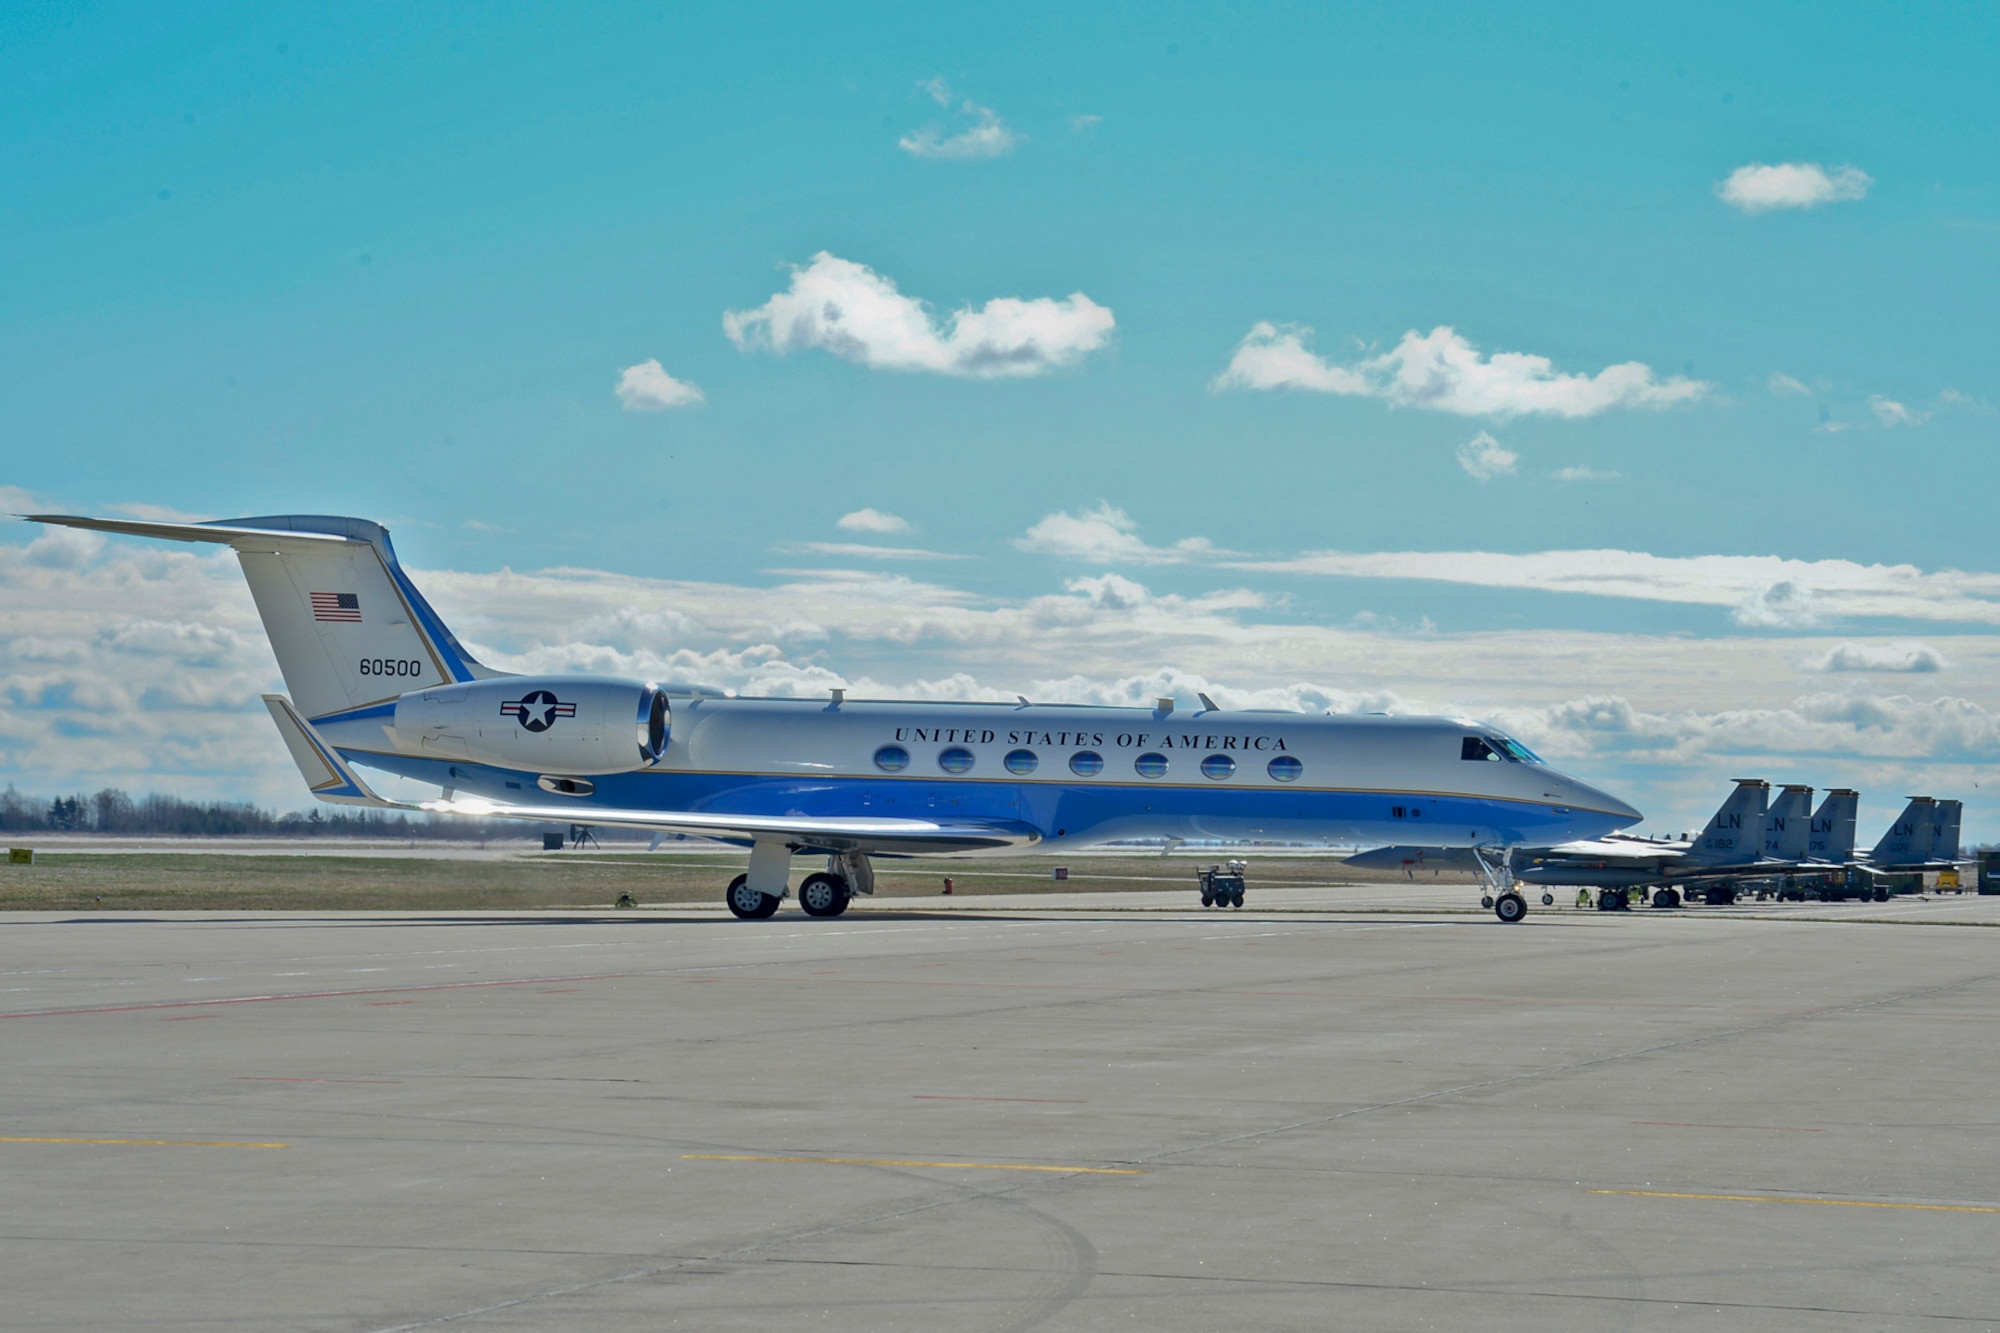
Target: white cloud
1078, 124
647, 387
857, 314
1442, 372
1785, 386
862, 552
985, 136
1889, 412
1106, 535
1483, 458
1760, 591
1878, 655
1758, 188
872, 520
1580, 473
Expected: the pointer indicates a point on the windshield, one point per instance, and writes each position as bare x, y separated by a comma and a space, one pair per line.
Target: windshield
1496, 749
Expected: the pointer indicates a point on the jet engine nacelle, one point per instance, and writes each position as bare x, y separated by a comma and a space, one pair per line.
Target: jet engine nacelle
539, 724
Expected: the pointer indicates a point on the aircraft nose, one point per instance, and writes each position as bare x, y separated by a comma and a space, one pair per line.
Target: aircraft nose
1590, 798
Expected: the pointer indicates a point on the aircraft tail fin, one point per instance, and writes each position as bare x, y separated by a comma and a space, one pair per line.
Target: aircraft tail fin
1788, 824
1945, 846
349, 628
1908, 841
1735, 833
1833, 826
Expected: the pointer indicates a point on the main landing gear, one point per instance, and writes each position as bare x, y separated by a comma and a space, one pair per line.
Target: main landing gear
755, 895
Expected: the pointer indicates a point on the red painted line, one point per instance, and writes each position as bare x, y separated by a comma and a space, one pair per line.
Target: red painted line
188, 1018
1683, 1124
377, 1004
1067, 1101
314, 995
567, 990
280, 1078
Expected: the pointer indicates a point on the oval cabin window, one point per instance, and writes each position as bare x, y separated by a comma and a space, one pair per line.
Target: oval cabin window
892, 759
1150, 765
1285, 768
1021, 762
957, 759
1218, 767
1086, 763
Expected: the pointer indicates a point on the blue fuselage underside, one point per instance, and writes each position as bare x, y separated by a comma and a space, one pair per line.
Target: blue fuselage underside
1065, 813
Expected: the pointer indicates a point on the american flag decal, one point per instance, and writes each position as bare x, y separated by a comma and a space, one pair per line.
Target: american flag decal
341, 607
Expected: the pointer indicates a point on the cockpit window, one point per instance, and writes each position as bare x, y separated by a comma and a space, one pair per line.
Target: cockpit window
1475, 747
1497, 749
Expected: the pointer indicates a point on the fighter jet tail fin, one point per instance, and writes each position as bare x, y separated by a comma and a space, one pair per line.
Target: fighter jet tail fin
1945, 846
1788, 824
1909, 839
1833, 826
1736, 831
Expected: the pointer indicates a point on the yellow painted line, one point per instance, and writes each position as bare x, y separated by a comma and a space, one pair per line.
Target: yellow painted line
142, 1143
1827, 1203
891, 1161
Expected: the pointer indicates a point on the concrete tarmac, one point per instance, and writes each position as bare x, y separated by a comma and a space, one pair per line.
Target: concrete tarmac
1001, 1118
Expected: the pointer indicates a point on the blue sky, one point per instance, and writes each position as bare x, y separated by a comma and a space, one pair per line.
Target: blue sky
394, 262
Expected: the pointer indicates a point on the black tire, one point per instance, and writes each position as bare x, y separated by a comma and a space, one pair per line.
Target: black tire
1510, 907
1236, 900
823, 895
1486, 900
1548, 899
1207, 899
1673, 897
746, 904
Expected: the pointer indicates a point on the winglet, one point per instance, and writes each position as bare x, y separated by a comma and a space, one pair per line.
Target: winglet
325, 772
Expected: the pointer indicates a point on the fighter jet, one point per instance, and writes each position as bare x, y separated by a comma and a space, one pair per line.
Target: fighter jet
1735, 842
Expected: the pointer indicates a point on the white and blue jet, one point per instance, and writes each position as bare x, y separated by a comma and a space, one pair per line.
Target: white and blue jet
377, 680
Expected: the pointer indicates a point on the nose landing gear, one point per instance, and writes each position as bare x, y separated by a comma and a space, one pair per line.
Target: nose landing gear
1500, 895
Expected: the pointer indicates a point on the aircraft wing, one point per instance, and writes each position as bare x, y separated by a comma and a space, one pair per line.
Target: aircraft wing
332, 778
1610, 849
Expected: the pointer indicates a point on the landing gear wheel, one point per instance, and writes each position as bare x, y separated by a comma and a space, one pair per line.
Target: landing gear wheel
1548, 900
1486, 900
1664, 898
1510, 907
747, 903
823, 895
